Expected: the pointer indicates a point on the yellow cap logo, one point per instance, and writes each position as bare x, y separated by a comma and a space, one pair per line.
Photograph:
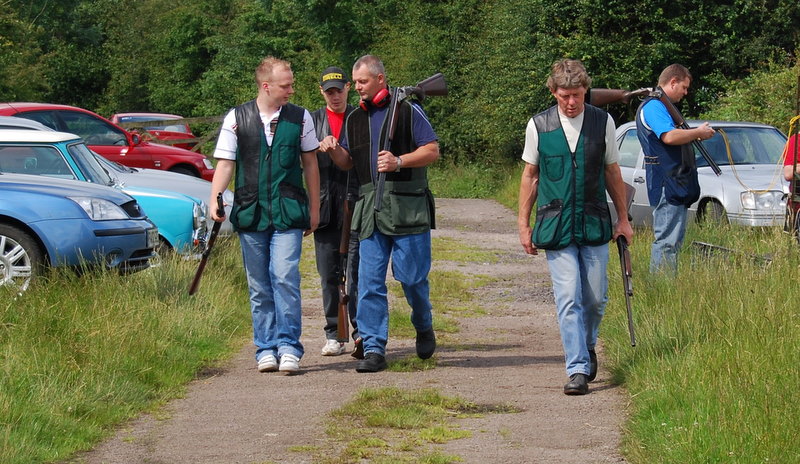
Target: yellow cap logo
330, 76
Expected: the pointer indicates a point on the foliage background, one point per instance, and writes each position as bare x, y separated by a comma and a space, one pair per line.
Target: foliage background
196, 57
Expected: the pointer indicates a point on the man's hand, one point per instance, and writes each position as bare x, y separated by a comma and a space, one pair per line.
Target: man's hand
328, 144
387, 162
525, 240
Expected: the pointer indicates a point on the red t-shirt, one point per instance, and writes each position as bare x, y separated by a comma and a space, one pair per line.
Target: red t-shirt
335, 120
791, 146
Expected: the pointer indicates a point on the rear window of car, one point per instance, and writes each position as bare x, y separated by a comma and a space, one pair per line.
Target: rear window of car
34, 160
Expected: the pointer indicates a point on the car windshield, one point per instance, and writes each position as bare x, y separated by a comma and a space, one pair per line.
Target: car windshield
166, 127
88, 165
744, 145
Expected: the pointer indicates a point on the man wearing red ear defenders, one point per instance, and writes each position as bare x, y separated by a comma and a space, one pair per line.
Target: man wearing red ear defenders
400, 230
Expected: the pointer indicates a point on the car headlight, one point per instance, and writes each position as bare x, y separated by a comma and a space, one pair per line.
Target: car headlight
100, 210
199, 213
207, 163
770, 200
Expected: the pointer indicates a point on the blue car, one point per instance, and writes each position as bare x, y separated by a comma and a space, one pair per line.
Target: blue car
58, 222
181, 219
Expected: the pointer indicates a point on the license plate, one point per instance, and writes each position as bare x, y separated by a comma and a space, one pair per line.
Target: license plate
152, 237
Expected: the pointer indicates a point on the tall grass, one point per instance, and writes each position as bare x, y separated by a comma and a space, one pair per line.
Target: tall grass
80, 354
713, 375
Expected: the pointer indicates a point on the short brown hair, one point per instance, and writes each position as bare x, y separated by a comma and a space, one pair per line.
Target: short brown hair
268, 65
674, 71
568, 74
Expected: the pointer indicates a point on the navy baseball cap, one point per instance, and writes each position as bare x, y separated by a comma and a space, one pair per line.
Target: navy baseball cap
333, 77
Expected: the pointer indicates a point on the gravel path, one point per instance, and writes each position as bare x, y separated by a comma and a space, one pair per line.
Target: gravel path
510, 355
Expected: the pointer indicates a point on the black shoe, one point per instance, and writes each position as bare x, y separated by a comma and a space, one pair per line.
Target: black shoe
577, 385
372, 362
358, 349
426, 344
592, 365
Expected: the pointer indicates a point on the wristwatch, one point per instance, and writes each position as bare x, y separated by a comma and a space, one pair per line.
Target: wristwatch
399, 163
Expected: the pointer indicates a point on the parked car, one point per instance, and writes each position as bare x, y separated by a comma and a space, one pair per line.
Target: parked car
165, 131
750, 191
55, 222
143, 177
181, 219
112, 141
165, 180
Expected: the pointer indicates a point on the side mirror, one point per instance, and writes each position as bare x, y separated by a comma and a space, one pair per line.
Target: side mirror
136, 138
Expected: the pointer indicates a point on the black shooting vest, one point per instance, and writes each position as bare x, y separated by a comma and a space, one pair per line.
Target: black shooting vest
334, 184
269, 179
572, 189
407, 206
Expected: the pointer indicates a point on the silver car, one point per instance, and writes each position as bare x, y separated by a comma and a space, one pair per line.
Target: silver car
750, 191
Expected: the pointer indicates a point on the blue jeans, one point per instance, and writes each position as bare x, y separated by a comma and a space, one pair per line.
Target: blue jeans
271, 260
669, 228
580, 286
411, 262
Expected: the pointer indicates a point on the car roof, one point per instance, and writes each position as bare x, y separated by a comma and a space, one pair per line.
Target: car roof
23, 135
154, 116
714, 123
37, 106
14, 122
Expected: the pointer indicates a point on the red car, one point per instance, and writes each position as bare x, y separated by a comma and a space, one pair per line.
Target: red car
112, 141
165, 131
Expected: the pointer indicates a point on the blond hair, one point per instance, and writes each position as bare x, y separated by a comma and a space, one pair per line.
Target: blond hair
268, 65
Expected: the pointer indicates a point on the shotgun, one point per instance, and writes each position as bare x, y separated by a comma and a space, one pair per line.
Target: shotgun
209, 245
681, 124
627, 282
343, 326
432, 86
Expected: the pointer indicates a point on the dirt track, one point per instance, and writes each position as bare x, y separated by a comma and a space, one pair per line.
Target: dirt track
510, 355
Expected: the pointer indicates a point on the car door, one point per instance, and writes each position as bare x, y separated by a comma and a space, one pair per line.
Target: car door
631, 164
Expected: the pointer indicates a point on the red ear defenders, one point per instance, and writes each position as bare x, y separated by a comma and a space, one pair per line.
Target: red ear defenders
379, 100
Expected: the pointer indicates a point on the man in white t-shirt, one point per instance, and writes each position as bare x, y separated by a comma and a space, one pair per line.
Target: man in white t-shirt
270, 146
570, 162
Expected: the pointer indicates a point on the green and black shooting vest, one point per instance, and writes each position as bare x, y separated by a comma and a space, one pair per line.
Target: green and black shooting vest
572, 190
269, 178
407, 206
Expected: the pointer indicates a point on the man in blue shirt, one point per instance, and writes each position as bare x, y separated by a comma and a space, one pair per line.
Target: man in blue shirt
669, 161
400, 230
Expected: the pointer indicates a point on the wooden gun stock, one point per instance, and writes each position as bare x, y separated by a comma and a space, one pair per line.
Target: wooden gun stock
677, 118
209, 245
343, 320
627, 282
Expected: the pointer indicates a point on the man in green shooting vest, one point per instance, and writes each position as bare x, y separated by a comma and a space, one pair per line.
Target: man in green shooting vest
571, 161
270, 145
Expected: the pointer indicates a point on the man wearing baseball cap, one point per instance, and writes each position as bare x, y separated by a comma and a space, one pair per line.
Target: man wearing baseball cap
336, 187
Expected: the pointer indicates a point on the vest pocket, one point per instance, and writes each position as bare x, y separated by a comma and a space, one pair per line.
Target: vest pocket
547, 230
244, 213
293, 206
289, 155
409, 210
597, 223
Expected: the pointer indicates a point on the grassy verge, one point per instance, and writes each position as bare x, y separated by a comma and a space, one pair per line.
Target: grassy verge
712, 376
79, 355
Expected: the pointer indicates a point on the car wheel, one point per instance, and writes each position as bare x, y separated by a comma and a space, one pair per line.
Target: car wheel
184, 170
20, 257
713, 213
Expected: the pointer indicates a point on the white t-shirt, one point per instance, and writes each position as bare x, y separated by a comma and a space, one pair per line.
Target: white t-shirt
227, 144
572, 130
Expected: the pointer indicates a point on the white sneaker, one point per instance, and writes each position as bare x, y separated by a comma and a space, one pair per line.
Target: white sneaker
332, 348
289, 363
267, 363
